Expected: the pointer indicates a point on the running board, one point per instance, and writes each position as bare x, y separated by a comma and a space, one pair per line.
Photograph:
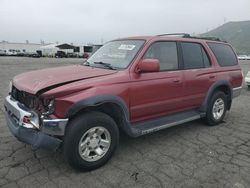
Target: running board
150, 126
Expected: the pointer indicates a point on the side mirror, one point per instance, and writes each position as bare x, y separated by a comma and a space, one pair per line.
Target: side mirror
148, 65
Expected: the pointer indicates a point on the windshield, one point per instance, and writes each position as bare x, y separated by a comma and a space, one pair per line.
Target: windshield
115, 54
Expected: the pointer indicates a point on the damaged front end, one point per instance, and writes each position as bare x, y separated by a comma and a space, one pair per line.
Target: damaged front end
28, 119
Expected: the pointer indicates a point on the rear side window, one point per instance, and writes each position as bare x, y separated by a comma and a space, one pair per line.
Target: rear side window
194, 56
223, 53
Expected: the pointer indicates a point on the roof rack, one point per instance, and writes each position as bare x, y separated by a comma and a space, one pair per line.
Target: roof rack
169, 34
186, 35
205, 38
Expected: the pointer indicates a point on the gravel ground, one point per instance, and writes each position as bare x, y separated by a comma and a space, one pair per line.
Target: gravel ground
189, 155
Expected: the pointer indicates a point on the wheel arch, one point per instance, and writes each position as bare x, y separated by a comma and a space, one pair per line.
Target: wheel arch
221, 85
113, 106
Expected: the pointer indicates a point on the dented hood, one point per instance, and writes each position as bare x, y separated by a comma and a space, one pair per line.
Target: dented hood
37, 81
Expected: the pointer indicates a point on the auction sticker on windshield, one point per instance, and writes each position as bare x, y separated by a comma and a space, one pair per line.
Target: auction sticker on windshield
126, 47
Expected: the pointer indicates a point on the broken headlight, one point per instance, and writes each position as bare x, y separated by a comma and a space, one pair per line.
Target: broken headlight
49, 106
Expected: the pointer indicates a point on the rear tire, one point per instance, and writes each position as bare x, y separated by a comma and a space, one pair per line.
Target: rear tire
90, 141
217, 107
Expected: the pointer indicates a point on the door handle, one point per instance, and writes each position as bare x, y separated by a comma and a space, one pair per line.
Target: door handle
211, 76
176, 80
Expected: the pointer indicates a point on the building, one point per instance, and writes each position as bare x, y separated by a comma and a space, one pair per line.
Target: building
21, 47
52, 49
49, 50
90, 49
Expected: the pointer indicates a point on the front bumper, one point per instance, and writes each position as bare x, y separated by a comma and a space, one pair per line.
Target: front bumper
37, 132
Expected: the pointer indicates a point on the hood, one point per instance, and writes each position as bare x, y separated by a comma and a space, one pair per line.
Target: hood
35, 81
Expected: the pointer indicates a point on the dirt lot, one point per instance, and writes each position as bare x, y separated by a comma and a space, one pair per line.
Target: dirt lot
190, 155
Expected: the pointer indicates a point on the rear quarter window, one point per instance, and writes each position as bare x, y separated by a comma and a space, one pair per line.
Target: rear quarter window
224, 54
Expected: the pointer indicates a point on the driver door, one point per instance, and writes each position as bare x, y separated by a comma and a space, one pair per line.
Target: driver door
160, 93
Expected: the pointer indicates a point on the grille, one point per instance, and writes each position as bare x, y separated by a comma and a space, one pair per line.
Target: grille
23, 97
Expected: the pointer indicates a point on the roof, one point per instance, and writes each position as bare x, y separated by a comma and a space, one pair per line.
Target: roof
49, 46
23, 43
60, 46
65, 46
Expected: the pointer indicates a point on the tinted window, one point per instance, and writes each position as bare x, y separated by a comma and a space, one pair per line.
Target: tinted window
223, 53
165, 52
192, 55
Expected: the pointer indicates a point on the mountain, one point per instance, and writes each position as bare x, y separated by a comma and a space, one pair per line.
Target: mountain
236, 33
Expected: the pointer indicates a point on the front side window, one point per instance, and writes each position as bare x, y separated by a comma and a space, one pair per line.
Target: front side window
115, 54
194, 55
165, 52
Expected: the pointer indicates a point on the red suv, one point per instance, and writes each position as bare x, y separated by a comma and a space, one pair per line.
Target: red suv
137, 85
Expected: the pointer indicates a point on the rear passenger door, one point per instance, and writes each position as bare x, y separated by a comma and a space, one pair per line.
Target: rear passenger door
199, 74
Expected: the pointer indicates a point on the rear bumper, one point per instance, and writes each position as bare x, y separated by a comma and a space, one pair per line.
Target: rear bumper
236, 91
40, 133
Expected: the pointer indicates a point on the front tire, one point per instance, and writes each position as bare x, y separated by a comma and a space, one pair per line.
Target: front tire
216, 108
90, 141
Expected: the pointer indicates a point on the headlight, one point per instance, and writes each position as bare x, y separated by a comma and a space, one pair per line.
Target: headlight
49, 106
10, 86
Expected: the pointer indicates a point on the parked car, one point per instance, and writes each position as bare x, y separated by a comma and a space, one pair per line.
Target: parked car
20, 53
247, 79
11, 52
137, 85
33, 54
2, 52
60, 54
86, 55
244, 57
80, 55
71, 55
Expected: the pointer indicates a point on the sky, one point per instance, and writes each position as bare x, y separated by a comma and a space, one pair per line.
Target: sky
98, 21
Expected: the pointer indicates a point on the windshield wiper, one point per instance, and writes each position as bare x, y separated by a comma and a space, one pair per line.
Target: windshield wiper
105, 64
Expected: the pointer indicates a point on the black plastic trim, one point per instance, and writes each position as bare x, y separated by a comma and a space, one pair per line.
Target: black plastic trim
180, 55
96, 101
212, 89
102, 99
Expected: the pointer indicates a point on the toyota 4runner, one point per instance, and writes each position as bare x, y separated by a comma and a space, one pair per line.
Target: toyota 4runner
137, 85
